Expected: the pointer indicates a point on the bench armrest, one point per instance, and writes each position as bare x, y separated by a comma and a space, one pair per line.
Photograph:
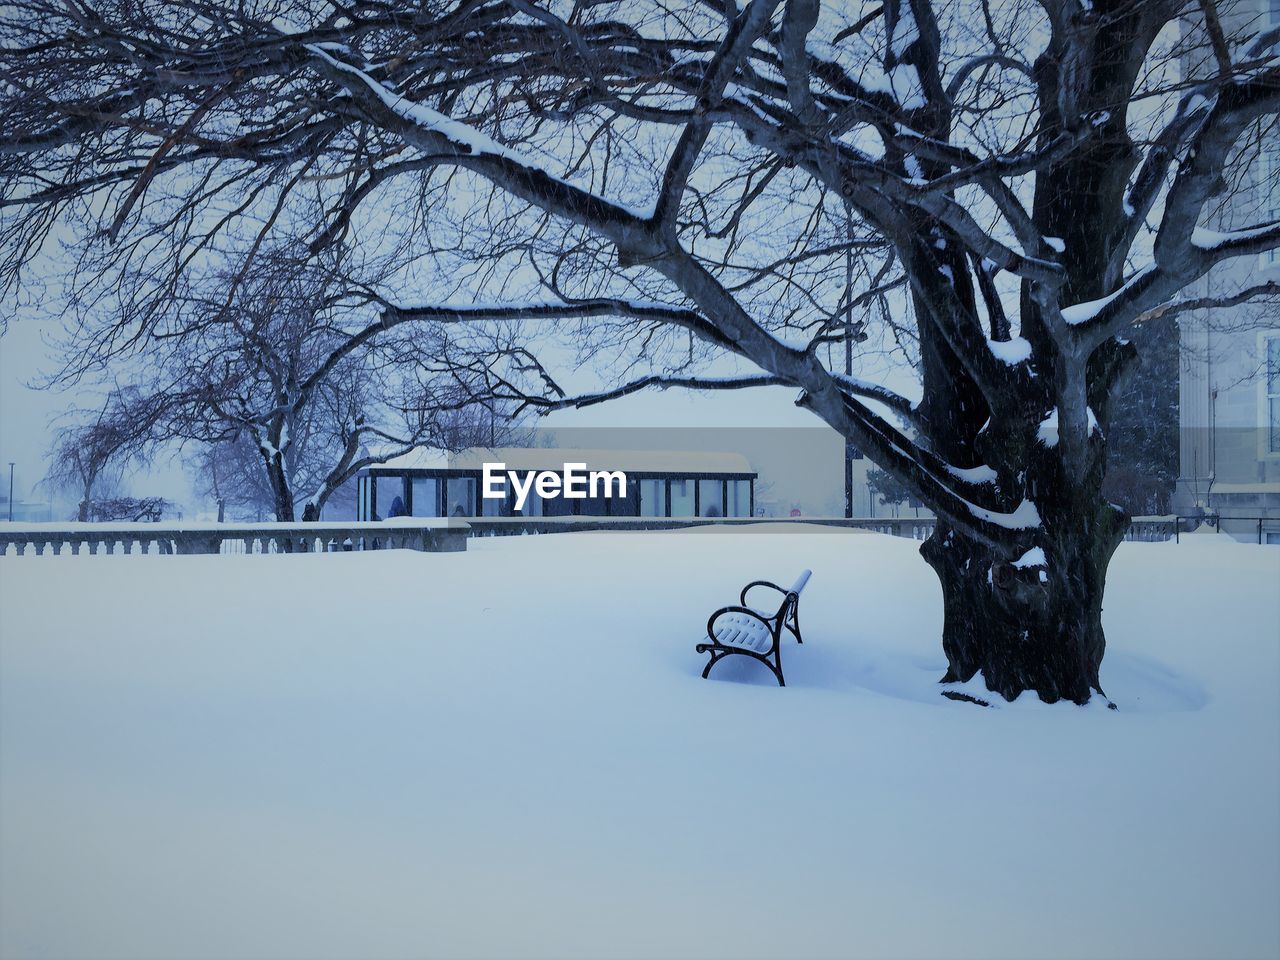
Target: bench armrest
742, 597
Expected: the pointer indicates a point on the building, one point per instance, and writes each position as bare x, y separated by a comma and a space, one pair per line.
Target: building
1229, 383
435, 483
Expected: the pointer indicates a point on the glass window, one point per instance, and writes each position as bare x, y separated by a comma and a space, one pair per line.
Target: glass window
362, 508
460, 496
532, 505
740, 498
389, 498
426, 497
711, 498
494, 506
628, 504
558, 506
681, 498
653, 498
1272, 387
594, 506
1272, 8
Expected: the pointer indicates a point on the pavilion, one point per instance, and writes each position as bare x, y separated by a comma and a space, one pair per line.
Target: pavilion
428, 482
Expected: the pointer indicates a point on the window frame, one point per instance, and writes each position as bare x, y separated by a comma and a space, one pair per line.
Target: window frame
1266, 395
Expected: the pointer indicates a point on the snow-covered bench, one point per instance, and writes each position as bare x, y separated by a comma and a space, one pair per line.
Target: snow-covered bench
752, 632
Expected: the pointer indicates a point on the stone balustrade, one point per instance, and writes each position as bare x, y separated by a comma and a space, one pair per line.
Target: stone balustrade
433, 535
212, 538
918, 527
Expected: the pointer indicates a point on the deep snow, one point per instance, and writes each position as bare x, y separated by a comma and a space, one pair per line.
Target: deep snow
509, 752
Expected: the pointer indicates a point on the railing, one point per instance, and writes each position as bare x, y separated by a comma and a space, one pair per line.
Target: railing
451, 534
1256, 528
211, 538
919, 528
1147, 529
1153, 529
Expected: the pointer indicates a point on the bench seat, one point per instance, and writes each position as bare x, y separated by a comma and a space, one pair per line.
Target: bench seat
743, 630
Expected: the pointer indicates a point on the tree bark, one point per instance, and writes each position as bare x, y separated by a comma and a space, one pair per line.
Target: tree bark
1033, 627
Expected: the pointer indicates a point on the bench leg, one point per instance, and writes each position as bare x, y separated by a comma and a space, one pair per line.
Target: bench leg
774, 668
794, 626
715, 658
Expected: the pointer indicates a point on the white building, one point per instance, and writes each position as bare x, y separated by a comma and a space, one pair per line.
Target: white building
1229, 389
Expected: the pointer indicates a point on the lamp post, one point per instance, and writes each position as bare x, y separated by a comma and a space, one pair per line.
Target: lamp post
11, 491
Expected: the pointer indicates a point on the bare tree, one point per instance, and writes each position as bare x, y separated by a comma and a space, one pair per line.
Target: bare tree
704, 178
130, 509
285, 379
93, 449
230, 473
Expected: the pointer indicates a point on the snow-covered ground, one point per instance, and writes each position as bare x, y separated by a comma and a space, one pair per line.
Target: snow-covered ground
509, 752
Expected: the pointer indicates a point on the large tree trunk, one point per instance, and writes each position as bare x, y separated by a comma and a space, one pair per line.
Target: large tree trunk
1028, 627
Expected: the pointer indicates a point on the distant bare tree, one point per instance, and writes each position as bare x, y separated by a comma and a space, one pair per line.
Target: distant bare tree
92, 450
287, 380
230, 473
130, 509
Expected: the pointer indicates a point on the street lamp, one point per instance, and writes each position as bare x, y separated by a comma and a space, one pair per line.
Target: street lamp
11, 491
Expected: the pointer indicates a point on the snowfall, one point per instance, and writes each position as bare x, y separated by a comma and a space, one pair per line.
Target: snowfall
509, 752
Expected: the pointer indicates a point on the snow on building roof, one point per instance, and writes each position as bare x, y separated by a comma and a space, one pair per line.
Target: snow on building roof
554, 458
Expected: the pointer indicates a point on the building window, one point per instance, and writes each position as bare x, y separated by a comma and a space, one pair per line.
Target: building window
426, 497
363, 511
494, 506
388, 498
532, 505
460, 495
681, 498
1271, 393
740, 498
711, 498
559, 507
1271, 11
653, 498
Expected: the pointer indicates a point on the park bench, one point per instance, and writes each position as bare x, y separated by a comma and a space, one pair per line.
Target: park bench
750, 632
